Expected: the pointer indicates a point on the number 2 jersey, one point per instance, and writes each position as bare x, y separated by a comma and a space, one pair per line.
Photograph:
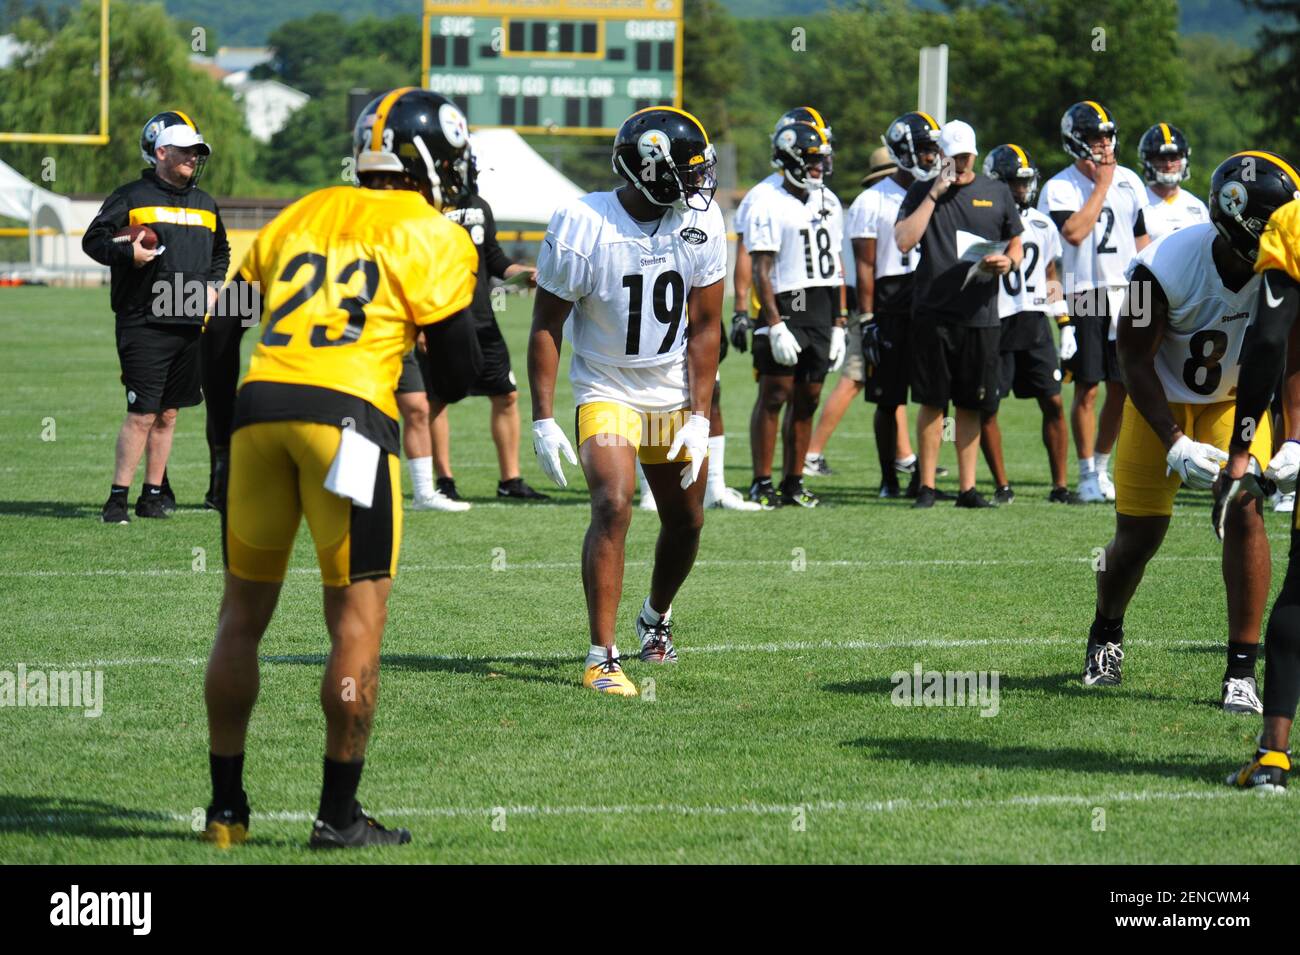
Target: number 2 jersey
1026, 290
1197, 362
628, 282
346, 274
806, 236
1103, 259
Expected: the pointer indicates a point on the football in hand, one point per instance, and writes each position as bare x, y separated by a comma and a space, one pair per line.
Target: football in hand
148, 238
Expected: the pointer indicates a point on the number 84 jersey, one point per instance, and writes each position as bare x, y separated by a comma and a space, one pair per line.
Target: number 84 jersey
1197, 362
805, 235
628, 281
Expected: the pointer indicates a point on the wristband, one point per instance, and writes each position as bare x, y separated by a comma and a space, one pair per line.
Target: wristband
1061, 311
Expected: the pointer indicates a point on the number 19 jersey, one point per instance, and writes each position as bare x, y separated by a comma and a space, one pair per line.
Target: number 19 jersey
628, 281
1197, 362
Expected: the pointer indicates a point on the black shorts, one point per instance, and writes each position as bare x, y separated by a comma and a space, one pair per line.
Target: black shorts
1029, 362
412, 378
495, 378
814, 361
160, 366
955, 363
886, 383
1096, 359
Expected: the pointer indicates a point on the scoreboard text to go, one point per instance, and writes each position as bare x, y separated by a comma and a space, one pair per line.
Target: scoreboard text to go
555, 74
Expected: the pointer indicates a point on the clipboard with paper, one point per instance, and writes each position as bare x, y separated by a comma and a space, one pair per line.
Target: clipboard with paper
972, 248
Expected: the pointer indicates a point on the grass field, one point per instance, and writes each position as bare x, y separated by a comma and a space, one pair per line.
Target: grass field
774, 739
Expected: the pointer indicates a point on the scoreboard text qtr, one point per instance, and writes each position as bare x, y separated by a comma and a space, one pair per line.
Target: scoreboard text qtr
572, 66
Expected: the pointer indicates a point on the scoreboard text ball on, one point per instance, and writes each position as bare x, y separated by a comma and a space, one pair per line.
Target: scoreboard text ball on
554, 66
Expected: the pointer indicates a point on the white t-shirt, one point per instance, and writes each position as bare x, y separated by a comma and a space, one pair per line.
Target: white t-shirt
741, 218
806, 236
872, 216
628, 288
1102, 259
1180, 210
1026, 290
1198, 360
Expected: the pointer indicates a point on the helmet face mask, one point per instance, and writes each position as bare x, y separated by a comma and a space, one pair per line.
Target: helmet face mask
1012, 165
1086, 129
912, 139
665, 155
1245, 190
424, 138
797, 150
154, 127
1161, 146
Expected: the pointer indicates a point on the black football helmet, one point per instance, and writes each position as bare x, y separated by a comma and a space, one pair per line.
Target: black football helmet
1244, 192
1012, 165
665, 154
806, 114
1160, 142
1083, 120
420, 134
156, 124
909, 136
797, 148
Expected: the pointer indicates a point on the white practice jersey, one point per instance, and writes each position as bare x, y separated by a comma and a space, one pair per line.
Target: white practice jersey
872, 216
628, 288
805, 235
1197, 361
1103, 259
1026, 290
1163, 216
741, 218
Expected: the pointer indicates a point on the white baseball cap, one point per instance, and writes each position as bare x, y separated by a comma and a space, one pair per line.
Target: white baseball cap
182, 136
956, 138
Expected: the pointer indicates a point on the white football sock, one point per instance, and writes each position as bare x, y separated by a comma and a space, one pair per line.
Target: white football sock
1086, 468
599, 654
1100, 462
421, 476
717, 452
650, 615
906, 462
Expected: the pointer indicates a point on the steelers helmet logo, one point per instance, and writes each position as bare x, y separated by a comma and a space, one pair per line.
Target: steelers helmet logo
1232, 198
654, 145
454, 126
786, 139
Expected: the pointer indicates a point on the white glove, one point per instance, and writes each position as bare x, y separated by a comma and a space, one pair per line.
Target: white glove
1068, 345
1196, 463
785, 348
693, 437
549, 440
839, 348
1285, 466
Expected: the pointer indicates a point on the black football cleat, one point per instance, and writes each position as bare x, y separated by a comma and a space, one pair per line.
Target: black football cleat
447, 488
972, 498
362, 833
764, 495
925, 497
1004, 495
794, 494
151, 506
226, 827
1103, 664
1062, 495
517, 489
115, 511
1266, 773
168, 495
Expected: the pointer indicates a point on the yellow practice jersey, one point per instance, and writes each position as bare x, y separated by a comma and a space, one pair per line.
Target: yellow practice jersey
1279, 246
346, 274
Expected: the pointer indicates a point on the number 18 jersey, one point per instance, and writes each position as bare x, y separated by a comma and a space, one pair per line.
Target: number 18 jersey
807, 237
628, 281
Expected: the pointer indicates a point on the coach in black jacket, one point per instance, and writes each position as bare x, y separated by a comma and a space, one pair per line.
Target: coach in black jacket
160, 297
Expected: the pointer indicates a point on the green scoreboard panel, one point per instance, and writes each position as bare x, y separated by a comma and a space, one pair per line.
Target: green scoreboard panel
554, 66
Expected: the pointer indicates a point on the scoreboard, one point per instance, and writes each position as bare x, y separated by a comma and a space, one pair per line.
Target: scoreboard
576, 67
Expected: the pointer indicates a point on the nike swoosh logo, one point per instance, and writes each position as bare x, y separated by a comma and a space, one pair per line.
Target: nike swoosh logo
1268, 296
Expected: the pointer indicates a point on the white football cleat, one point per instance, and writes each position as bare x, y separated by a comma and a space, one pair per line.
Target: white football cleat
1240, 695
1106, 484
437, 501
1089, 490
729, 499
1284, 503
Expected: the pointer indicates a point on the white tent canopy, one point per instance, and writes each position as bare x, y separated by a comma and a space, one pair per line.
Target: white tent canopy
517, 183
37, 208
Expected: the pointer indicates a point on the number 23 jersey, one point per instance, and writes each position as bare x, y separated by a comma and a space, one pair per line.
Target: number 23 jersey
1197, 362
629, 281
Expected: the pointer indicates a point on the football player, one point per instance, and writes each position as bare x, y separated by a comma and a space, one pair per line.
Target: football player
1029, 363
1190, 304
1165, 157
417, 443
1263, 361
884, 299
794, 233
641, 271
347, 277
1097, 206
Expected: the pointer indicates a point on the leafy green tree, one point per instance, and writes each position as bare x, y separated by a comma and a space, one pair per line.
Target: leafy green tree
1275, 70
711, 68
54, 87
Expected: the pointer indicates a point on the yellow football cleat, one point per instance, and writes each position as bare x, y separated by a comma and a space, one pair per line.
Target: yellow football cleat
225, 829
608, 677
1266, 773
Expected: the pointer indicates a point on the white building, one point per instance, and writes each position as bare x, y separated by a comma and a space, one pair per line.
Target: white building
267, 104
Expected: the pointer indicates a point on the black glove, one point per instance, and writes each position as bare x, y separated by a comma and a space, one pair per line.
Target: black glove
740, 326
722, 341
218, 477
871, 344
